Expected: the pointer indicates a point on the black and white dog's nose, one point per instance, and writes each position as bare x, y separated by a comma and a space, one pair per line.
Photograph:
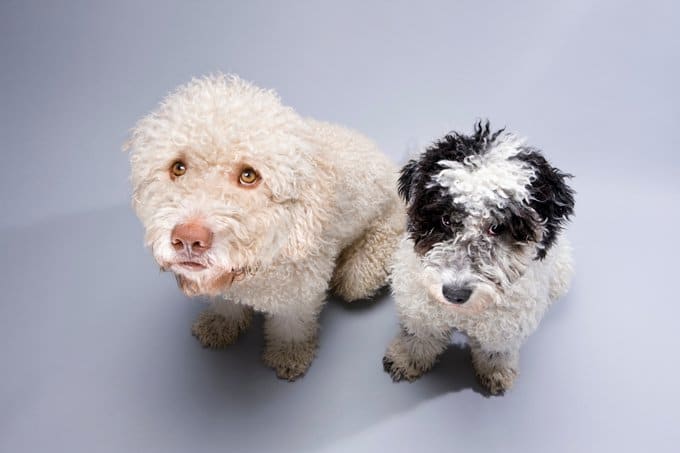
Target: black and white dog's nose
456, 294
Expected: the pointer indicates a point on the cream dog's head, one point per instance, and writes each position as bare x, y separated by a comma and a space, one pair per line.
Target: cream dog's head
225, 183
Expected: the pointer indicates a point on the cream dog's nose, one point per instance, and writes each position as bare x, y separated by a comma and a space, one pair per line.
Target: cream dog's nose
194, 238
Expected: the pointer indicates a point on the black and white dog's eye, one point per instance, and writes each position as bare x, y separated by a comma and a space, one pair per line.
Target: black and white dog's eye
446, 221
495, 230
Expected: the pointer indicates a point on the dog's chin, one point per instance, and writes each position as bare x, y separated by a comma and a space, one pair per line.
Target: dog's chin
198, 279
197, 284
189, 268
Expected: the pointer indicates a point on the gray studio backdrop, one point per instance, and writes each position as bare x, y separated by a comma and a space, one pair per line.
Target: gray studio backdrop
95, 348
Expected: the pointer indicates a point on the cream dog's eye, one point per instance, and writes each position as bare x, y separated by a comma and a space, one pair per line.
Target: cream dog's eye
178, 168
248, 176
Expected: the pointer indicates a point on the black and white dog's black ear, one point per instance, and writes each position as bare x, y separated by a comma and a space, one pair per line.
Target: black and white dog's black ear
407, 179
551, 197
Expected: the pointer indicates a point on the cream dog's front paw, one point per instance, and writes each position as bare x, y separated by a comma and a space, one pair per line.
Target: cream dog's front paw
215, 331
290, 360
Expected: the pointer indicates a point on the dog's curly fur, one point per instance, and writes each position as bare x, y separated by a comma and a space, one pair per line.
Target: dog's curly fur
484, 254
324, 212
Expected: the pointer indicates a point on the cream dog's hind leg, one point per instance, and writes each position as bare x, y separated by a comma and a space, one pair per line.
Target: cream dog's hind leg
221, 324
362, 267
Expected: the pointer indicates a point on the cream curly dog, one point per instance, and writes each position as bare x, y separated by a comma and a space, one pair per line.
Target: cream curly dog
484, 254
249, 203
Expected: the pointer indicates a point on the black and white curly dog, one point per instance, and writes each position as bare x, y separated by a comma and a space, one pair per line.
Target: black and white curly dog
484, 253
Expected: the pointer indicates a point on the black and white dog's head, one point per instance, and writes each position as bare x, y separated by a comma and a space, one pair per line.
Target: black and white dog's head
481, 208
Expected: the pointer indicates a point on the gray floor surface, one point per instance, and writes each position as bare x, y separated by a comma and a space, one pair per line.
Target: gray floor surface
95, 346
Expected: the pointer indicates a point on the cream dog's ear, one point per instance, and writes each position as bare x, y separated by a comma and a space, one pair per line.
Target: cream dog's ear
308, 199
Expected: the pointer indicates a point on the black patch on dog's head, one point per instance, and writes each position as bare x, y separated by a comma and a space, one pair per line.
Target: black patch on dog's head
428, 203
406, 177
518, 222
453, 147
433, 217
550, 196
